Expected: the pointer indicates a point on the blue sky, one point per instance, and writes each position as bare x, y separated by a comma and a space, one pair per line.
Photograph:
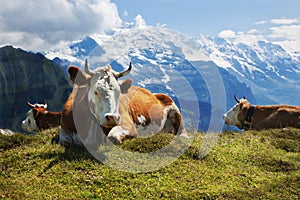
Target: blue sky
208, 17
39, 25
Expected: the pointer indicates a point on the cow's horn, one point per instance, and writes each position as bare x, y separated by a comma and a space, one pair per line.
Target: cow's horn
124, 73
29, 104
236, 99
86, 68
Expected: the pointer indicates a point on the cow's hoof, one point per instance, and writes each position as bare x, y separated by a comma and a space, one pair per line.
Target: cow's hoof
114, 140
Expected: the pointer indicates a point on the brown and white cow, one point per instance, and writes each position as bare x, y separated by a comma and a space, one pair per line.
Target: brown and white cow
39, 118
246, 116
99, 107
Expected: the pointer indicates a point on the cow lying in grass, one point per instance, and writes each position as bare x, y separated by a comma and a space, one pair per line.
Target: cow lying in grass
99, 107
246, 116
39, 118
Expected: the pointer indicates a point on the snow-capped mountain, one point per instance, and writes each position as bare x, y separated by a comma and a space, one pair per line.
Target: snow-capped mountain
272, 73
202, 75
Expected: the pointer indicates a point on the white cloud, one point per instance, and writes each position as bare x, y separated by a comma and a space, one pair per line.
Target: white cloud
139, 21
261, 22
253, 31
287, 36
37, 25
161, 25
291, 32
290, 45
284, 21
285, 32
248, 38
227, 34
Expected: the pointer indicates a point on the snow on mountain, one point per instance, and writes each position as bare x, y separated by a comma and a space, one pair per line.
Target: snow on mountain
272, 73
201, 75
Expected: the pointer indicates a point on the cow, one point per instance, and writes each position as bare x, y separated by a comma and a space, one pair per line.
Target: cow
39, 118
100, 104
247, 116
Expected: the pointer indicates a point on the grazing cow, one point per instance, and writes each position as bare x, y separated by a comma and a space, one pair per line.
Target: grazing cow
246, 116
99, 104
38, 118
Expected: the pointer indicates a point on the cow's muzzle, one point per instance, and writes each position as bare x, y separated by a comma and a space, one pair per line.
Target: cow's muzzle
225, 118
111, 119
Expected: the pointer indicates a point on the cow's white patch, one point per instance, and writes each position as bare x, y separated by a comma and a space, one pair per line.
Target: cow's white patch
103, 94
117, 134
154, 127
231, 117
142, 120
29, 124
40, 105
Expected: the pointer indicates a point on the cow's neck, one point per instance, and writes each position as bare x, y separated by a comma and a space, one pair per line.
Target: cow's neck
249, 114
247, 124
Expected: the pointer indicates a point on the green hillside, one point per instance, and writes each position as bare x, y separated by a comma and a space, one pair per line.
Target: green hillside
247, 165
26, 75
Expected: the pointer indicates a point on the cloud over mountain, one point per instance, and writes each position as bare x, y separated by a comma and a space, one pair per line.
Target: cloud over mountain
32, 24
284, 32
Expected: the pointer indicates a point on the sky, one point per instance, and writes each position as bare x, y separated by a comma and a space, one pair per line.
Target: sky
39, 25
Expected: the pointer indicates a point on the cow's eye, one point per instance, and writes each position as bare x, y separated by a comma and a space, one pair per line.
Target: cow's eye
96, 93
29, 121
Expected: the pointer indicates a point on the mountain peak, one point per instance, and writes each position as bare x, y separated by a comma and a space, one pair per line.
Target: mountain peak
262, 65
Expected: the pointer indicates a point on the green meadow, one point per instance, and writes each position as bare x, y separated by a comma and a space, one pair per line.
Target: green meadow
240, 165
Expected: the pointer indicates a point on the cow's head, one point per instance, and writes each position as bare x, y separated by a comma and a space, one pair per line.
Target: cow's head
236, 116
103, 91
29, 124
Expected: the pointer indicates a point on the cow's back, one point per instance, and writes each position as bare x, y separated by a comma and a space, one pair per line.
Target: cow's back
278, 116
144, 113
48, 120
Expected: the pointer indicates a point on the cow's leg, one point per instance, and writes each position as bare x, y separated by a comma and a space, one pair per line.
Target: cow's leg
118, 133
66, 138
174, 122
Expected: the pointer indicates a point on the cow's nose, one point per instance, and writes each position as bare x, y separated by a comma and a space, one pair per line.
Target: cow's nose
112, 119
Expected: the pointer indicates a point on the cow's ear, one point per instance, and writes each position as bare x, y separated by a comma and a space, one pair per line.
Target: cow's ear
77, 76
125, 85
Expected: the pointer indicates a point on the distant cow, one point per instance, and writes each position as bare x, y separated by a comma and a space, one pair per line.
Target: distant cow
99, 104
246, 116
38, 118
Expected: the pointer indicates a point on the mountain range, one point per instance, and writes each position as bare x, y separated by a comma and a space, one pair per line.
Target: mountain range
163, 61
272, 73
201, 74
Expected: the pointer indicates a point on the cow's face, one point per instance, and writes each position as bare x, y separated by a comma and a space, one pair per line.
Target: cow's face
103, 97
103, 93
29, 124
237, 114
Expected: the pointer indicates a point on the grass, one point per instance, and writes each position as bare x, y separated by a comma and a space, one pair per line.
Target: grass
247, 165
